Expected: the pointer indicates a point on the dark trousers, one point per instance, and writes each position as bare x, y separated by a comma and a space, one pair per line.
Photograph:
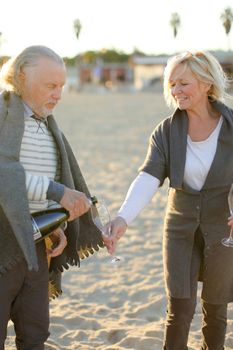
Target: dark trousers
179, 316
181, 311
24, 300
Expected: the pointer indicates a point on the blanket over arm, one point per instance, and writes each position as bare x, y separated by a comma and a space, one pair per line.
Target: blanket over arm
16, 239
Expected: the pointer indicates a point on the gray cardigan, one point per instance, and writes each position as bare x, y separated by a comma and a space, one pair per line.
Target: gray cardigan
188, 209
16, 239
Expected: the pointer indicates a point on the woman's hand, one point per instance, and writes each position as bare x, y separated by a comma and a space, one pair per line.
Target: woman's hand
118, 228
59, 240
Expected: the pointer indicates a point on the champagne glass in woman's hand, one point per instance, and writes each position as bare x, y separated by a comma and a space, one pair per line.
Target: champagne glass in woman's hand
228, 242
118, 229
102, 219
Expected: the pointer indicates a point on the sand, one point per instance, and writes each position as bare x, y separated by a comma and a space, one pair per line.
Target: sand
103, 306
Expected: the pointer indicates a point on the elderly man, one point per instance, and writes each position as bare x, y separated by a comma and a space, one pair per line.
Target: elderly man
37, 171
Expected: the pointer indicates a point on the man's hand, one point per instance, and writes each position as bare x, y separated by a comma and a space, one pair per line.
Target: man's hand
75, 202
118, 228
59, 240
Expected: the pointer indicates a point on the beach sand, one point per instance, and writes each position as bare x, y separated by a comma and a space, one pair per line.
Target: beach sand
105, 307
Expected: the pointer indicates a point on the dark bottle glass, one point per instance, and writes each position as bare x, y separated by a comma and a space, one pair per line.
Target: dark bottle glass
46, 221
94, 200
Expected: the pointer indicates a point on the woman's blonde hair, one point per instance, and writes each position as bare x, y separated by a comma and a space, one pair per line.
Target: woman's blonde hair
206, 69
9, 75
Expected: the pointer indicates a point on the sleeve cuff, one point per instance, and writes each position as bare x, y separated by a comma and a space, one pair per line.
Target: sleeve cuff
55, 191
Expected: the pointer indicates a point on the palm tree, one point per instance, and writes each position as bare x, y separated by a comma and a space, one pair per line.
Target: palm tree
77, 27
175, 23
227, 19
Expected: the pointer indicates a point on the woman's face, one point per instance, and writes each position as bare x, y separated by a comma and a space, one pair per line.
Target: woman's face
188, 92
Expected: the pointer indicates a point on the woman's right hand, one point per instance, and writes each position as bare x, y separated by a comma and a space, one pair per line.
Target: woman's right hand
118, 228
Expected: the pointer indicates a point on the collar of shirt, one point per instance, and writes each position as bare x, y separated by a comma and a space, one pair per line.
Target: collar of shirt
27, 111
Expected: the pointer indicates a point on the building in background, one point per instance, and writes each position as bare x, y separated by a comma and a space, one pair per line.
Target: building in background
148, 71
140, 73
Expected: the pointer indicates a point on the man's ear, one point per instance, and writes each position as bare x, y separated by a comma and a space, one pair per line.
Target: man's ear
22, 76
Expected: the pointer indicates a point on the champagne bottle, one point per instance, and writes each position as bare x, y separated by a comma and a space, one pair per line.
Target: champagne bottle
46, 221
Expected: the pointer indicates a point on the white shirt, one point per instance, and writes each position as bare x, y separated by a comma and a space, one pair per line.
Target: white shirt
199, 157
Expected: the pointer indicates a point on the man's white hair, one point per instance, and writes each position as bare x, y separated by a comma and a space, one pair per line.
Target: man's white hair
9, 75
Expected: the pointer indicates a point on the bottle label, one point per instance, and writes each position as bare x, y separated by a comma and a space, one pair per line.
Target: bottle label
36, 232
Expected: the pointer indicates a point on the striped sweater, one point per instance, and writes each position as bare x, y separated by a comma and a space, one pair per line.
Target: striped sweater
40, 159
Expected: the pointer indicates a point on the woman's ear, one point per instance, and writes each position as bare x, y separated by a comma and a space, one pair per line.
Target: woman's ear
208, 87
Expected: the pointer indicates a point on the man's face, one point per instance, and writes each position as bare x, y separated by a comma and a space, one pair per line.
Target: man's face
42, 86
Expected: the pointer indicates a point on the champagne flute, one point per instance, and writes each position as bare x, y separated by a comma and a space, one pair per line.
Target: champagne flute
228, 242
102, 219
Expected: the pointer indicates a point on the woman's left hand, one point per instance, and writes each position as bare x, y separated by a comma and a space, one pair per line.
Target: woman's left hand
59, 240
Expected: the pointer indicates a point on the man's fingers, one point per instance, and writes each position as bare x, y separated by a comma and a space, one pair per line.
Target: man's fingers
75, 202
59, 240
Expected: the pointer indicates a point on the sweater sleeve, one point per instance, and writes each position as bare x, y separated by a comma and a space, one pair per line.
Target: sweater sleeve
138, 196
156, 161
37, 186
40, 187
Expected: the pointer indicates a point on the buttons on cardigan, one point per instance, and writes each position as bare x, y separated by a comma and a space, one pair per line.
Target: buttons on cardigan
198, 214
206, 251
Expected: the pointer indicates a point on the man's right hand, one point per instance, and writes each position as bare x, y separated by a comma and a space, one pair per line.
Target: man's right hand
75, 202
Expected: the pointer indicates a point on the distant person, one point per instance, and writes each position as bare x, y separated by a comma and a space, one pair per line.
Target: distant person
193, 148
37, 171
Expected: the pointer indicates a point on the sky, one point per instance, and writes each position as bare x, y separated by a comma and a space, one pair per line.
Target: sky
122, 25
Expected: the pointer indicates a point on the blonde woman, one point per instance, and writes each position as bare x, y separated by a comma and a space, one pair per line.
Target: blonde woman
193, 148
